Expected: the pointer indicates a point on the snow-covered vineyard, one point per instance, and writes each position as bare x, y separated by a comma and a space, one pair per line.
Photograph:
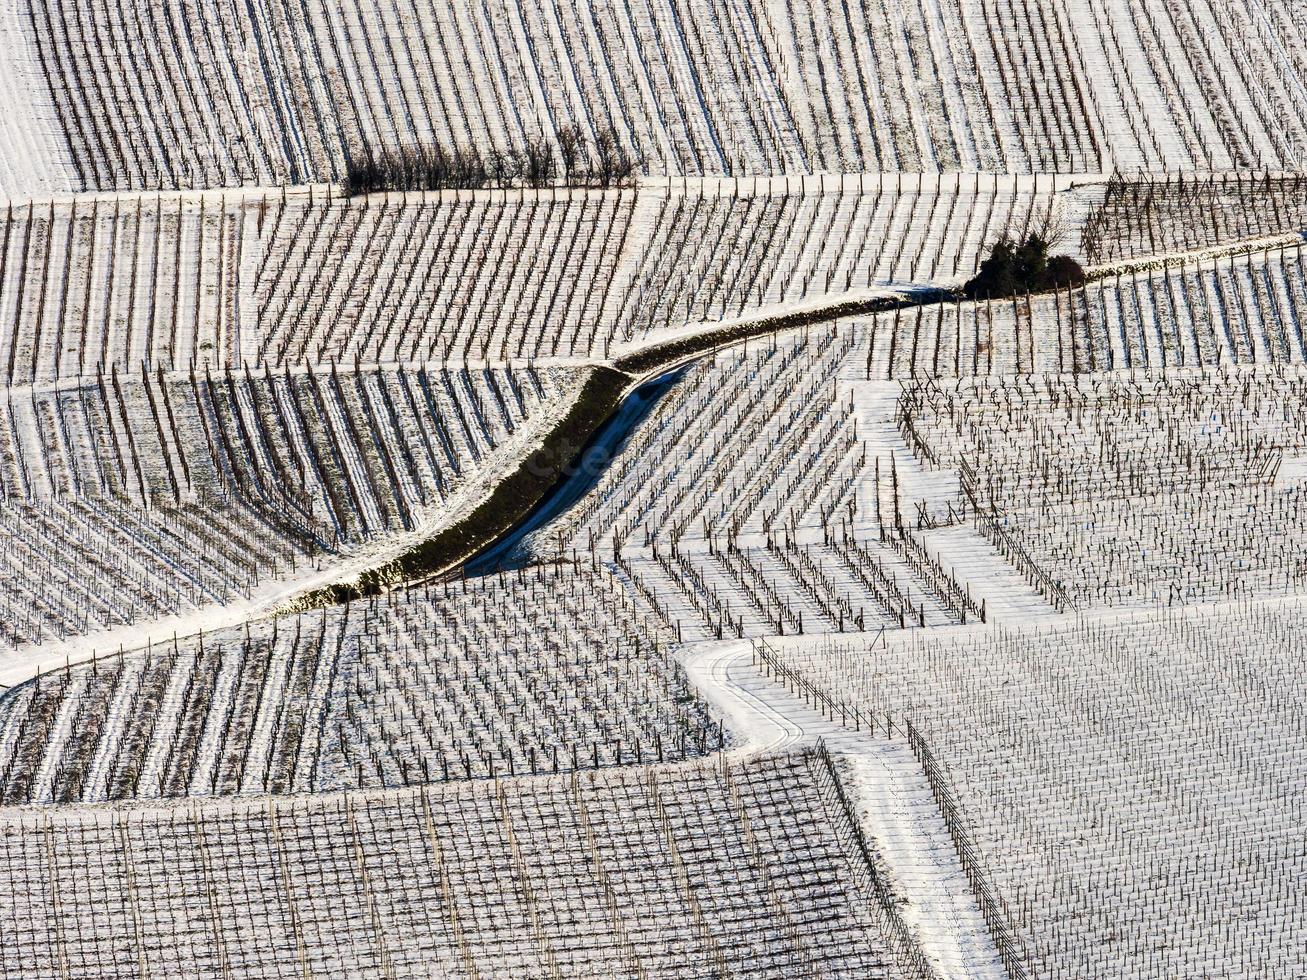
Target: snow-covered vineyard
245, 278
681, 488
747, 866
1151, 489
1196, 310
504, 674
204, 94
1110, 775
130, 498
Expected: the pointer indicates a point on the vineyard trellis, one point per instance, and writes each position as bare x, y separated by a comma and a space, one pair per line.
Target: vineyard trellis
1088, 714
863, 87
519, 487
1157, 488
715, 861
498, 676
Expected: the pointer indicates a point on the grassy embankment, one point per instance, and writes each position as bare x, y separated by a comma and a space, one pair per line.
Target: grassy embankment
549, 463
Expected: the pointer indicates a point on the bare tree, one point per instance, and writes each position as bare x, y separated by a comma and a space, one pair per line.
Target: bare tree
571, 146
469, 169
1051, 225
504, 166
538, 163
606, 162
614, 165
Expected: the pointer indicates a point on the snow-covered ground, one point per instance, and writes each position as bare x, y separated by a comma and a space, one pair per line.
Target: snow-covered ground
285, 93
35, 158
223, 386
272, 592
888, 788
1133, 755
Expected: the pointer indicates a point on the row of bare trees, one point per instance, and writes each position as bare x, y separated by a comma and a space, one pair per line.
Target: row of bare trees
573, 158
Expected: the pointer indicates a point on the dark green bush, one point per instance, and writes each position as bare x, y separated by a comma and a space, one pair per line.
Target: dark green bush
1015, 267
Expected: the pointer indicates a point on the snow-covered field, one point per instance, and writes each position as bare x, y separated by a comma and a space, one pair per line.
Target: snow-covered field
1133, 784
250, 277
35, 156
737, 867
1140, 489
547, 672
132, 499
207, 94
882, 632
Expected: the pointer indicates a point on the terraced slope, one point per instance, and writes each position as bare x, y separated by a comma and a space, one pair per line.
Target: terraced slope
742, 866
255, 279
208, 94
130, 499
550, 672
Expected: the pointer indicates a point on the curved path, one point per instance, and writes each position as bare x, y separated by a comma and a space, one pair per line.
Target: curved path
893, 800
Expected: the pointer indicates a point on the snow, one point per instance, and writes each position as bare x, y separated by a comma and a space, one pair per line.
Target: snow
1091, 754
19, 665
35, 159
892, 796
773, 491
